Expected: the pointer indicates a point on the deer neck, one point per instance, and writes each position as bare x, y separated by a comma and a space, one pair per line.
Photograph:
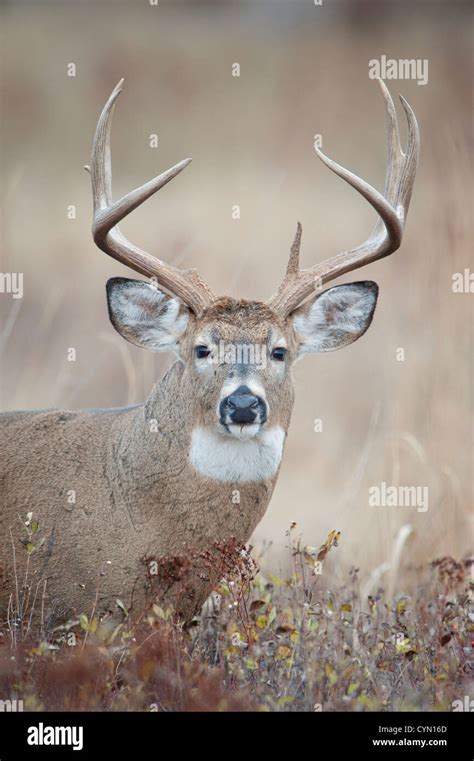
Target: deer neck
166, 456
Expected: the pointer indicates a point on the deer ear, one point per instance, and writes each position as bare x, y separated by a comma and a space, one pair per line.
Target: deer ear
144, 315
336, 317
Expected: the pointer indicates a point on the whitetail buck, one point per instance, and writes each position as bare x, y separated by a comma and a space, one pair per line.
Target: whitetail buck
155, 483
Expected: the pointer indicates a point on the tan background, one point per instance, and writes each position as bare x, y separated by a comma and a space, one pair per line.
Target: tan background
304, 70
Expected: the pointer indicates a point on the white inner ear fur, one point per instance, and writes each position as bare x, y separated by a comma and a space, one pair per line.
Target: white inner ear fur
146, 317
336, 318
236, 460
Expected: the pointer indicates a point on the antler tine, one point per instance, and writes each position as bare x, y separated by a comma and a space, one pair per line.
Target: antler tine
392, 208
186, 284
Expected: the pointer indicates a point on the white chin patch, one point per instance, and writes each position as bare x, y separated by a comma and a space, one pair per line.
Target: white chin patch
237, 458
244, 431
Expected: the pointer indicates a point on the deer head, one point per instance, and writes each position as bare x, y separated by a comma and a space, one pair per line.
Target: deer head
238, 354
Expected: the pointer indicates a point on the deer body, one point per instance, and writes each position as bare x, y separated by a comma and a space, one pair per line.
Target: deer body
142, 500
143, 503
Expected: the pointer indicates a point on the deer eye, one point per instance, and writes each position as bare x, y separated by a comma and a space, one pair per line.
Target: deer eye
202, 351
278, 353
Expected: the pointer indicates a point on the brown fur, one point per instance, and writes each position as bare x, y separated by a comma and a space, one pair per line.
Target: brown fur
137, 496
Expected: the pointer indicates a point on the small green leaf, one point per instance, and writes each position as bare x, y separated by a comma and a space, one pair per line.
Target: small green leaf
285, 700
330, 673
402, 606
122, 607
114, 634
277, 581
404, 646
272, 615
251, 665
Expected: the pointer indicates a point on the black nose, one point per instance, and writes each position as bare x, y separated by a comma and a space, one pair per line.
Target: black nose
242, 406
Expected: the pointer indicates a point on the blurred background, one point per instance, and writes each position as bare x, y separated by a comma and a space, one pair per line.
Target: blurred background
303, 71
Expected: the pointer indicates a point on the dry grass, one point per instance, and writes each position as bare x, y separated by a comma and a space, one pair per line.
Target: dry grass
261, 644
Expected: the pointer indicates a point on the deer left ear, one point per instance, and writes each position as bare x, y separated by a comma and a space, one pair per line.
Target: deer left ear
144, 315
336, 317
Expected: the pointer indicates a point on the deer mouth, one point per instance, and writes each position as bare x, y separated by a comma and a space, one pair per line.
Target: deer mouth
242, 431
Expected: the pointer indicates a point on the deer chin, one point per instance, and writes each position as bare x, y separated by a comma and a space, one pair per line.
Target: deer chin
243, 432
225, 458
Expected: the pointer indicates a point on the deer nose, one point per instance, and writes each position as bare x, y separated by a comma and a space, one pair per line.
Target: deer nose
241, 406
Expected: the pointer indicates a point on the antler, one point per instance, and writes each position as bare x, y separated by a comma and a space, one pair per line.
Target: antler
392, 208
186, 284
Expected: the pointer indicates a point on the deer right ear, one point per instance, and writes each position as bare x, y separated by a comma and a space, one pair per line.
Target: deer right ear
144, 315
335, 318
